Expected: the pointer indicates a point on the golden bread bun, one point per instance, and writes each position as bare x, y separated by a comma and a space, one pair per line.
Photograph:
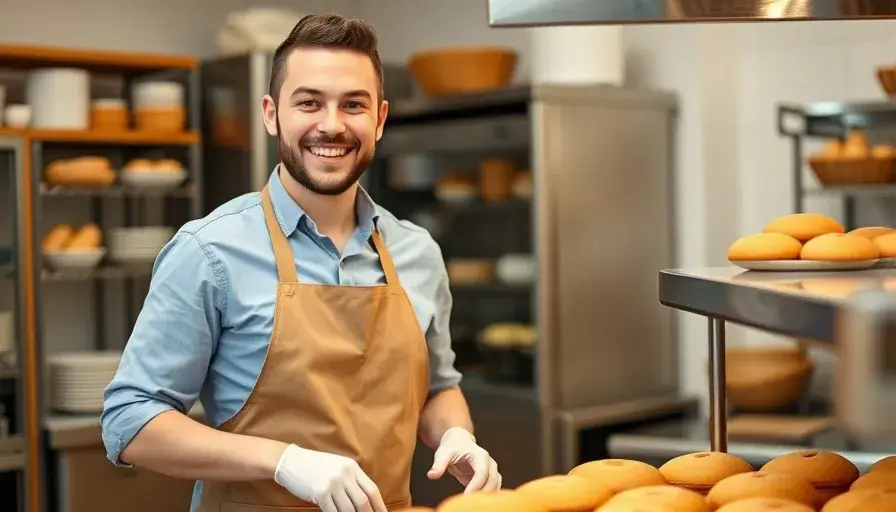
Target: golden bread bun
839, 247
762, 485
88, 237
497, 501
856, 145
831, 474
418, 509
657, 498
139, 165
886, 245
804, 226
883, 151
764, 247
833, 149
876, 480
886, 465
701, 471
58, 238
619, 475
565, 493
766, 505
868, 500
872, 232
168, 165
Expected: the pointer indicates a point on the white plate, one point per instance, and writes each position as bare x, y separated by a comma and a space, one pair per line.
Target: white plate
74, 261
153, 180
885, 263
804, 265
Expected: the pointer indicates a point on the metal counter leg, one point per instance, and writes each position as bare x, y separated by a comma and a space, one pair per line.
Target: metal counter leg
718, 406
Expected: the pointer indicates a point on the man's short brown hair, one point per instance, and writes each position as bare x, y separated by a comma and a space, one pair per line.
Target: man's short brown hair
327, 31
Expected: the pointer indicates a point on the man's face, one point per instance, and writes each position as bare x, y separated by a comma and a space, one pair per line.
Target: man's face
327, 118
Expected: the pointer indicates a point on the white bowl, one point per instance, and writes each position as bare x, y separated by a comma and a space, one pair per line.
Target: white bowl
74, 261
17, 116
153, 180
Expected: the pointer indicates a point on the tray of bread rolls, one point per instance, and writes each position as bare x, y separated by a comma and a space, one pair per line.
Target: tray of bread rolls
853, 161
804, 242
803, 481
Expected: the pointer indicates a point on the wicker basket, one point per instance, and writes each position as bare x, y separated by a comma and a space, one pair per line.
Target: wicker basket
853, 171
463, 70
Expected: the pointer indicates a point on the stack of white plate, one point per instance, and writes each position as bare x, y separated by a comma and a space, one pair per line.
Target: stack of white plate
137, 246
78, 379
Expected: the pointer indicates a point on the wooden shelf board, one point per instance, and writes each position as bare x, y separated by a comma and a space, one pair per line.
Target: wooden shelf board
26, 56
118, 138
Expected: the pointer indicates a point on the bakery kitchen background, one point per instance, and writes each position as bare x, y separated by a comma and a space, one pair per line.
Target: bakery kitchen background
731, 353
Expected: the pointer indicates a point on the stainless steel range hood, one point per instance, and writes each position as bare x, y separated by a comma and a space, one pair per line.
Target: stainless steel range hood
523, 13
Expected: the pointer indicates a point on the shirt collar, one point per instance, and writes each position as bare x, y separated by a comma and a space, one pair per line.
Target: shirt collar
289, 213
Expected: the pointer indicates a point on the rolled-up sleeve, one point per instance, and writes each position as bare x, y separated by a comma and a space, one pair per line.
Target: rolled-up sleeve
442, 372
166, 359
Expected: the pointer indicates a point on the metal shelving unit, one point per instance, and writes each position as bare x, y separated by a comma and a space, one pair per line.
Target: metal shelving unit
813, 307
31, 150
828, 120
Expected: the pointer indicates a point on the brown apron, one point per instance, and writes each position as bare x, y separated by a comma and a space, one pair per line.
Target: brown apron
346, 372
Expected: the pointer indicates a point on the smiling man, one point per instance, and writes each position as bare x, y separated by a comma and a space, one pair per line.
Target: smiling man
311, 324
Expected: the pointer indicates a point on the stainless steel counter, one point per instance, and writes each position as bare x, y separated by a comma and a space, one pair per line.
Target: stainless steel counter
661, 442
799, 304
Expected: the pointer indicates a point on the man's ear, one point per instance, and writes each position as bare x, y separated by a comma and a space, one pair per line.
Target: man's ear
381, 119
269, 114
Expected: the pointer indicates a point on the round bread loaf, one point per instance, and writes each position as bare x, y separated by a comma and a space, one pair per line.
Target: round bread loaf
565, 493
765, 247
657, 498
829, 473
804, 226
867, 500
504, 500
886, 245
619, 475
839, 247
766, 505
699, 472
885, 465
875, 480
872, 232
758, 484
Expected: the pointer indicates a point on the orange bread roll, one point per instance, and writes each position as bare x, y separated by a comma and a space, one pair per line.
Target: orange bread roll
699, 472
88, 237
765, 247
868, 500
58, 238
829, 473
885, 465
658, 498
804, 226
490, 502
886, 245
758, 484
766, 505
619, 475
565, 493
839, 247
872, 232
876, 480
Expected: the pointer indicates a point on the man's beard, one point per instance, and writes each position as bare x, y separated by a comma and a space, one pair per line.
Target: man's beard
292, 160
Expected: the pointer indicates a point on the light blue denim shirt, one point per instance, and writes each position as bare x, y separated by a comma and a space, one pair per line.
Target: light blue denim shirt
206, 322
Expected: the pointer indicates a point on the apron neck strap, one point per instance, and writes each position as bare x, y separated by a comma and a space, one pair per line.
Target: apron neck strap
286, 264
385, 258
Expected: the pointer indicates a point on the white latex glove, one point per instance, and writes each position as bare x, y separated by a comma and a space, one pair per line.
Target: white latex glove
468, 462
332, 482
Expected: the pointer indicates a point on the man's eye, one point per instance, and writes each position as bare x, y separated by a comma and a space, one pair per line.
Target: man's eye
354, 105
307, 103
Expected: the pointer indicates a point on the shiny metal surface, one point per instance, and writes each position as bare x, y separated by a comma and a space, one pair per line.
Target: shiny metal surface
866, 378
505, 13
718, 405
663, 441
799, 304
602, 160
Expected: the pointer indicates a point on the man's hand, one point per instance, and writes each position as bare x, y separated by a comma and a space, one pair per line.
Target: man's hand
332, 482
468, 462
